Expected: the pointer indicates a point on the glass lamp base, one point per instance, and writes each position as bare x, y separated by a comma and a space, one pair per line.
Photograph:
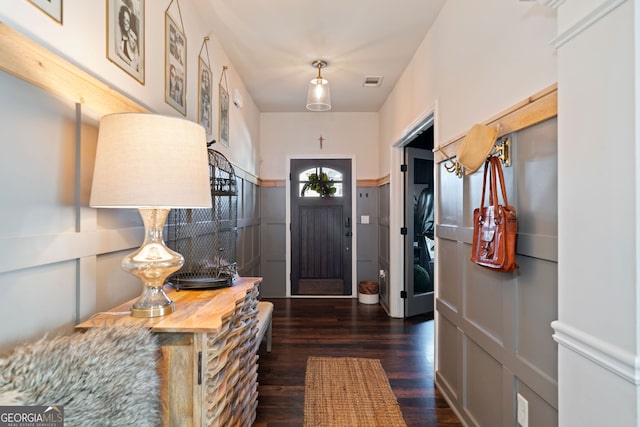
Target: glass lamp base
153, 302
152, 263
161, 310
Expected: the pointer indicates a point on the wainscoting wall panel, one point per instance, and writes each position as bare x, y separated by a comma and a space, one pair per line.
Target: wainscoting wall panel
273, 259
494, 328
60, 259
384, 197
248, 244
273, 231
367, 204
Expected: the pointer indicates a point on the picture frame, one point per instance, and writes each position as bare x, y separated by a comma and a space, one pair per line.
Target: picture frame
125, 36
53, 8
204, 97
223, 128
175, 66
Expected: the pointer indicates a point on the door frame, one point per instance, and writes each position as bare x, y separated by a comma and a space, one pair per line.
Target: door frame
396, 210
354, 239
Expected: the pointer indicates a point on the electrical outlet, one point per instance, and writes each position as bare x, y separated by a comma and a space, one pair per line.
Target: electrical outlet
523, 411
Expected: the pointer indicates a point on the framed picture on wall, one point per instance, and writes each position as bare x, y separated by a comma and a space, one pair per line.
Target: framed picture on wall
175, 63
223, 129
204, 97
125, 36
53, 8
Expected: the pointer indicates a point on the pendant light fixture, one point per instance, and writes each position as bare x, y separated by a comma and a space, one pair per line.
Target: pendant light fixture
318, 95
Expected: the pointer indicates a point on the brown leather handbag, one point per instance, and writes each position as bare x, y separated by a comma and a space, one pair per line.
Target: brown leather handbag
494, 226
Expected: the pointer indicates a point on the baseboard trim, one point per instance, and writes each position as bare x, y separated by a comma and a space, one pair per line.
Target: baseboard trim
447, 392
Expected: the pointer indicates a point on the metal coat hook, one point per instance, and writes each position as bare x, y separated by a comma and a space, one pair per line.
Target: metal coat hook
502, 150
454, 166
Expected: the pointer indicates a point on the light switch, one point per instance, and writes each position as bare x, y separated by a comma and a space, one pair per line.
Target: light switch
364, 219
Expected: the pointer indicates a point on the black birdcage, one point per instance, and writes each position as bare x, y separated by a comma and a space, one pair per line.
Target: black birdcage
207, 238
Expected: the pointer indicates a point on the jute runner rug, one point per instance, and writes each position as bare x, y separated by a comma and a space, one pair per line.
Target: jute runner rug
349, 392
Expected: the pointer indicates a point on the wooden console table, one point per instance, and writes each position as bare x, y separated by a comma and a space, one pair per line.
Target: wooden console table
208, 361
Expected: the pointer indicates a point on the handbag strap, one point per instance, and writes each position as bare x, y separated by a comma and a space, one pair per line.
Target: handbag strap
493, 195
493, 168
487, 170
497, 167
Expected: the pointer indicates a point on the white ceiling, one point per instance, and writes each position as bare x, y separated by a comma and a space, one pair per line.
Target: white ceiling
272, 43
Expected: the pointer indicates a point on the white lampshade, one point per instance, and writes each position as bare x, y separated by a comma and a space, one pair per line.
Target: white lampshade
149, 160
153, 163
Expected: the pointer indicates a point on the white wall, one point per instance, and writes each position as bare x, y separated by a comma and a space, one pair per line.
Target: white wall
82, 40
296, 134
478, 59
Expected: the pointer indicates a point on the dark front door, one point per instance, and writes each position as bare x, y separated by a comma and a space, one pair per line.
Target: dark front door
321, 227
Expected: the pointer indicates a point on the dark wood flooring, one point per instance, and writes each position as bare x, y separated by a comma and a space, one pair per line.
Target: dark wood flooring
346, 328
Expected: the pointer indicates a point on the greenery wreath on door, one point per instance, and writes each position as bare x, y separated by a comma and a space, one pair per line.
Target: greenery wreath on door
320, 184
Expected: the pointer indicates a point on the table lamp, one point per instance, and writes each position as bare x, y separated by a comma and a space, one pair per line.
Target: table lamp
153, 163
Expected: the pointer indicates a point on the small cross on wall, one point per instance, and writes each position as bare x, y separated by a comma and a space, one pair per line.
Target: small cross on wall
321, 139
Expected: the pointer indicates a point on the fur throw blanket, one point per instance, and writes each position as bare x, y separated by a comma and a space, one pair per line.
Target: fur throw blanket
102, 377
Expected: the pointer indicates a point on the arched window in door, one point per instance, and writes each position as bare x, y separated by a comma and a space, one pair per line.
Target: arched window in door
320, 182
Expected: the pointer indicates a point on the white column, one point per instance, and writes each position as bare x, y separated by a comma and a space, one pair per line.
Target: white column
597, 328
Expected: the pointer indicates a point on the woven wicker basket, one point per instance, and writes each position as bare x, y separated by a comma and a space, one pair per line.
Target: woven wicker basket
368, 287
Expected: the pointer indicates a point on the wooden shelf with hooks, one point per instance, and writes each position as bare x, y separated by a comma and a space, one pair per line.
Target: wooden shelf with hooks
535, 109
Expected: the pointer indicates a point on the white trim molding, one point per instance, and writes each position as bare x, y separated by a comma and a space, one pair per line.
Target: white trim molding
613, 358
552, 3
585, 22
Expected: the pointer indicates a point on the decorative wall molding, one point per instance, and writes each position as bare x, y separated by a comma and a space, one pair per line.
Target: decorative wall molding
22, 252
367, 182
241, 173
272, 183
551, 3
613, 358
586, 22
359, 182
384, 180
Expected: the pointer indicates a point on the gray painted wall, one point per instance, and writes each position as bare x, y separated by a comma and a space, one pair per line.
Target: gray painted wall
248, 244
273, 255
272, 240
383, 239
367, 205
494, 334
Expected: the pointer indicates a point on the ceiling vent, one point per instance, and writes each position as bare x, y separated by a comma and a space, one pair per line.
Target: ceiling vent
372, 81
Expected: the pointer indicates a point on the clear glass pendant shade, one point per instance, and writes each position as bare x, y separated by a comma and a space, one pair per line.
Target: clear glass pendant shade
319, 95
